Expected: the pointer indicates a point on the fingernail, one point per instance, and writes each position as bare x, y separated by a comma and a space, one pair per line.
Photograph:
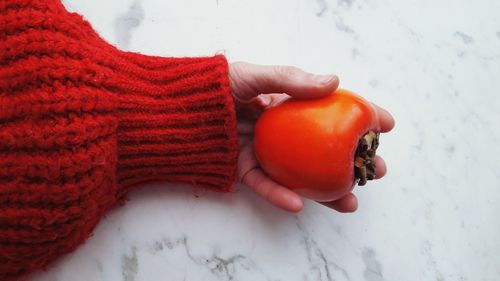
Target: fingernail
325, 79
266, 100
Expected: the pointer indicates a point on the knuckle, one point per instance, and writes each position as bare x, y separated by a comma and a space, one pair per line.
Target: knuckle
287, 71
241, 79
238, 65
236, 69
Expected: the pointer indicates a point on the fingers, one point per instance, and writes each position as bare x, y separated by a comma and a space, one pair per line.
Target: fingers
275, 99
250, 110
349, 203
386, 124
250, 80
245, 128
385, 119
251, 175
346, 204
380, 167
275, 193
246, 159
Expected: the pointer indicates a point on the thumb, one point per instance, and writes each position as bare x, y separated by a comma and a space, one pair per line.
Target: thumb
250, 80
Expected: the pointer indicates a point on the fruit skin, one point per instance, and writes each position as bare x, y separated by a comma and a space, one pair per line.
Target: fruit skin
309, 145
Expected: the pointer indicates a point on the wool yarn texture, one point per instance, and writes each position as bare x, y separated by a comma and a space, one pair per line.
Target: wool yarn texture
83, 123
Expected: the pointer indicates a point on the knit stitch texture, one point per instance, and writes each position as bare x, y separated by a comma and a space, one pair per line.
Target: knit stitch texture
83, 123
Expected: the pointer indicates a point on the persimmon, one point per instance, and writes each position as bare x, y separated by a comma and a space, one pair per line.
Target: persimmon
320, 148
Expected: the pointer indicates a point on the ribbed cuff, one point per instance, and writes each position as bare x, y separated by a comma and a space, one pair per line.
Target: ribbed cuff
177, 123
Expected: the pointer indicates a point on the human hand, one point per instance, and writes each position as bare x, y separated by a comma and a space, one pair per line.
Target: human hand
256, 87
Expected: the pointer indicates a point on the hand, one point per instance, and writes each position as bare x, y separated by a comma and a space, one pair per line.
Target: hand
256, 87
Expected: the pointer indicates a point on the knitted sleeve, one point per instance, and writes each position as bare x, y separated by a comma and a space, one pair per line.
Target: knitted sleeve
82, 123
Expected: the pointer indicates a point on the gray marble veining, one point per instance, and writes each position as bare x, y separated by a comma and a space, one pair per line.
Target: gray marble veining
126, 23
433, 64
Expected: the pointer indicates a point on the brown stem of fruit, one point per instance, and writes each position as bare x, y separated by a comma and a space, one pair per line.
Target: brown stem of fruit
364, 159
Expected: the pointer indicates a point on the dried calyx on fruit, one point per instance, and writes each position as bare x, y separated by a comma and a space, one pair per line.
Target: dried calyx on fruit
364, 159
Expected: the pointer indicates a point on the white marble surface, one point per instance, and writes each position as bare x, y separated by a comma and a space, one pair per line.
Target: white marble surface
434, 64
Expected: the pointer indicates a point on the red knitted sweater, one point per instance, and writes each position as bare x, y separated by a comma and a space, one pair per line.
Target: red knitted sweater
83, 123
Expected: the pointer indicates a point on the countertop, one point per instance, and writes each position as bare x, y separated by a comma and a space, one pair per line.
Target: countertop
435, 216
